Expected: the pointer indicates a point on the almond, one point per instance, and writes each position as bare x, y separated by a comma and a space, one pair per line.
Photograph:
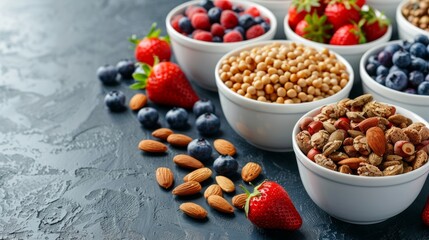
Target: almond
213, 189
367, 124
193, 210
250, 171
224, 147
187, 188
162, 133
353, 163
186, 161
152, 146
376, 140
239, 201
225, 183
138, 101
164, 177
179, 140
219, 203
198, 175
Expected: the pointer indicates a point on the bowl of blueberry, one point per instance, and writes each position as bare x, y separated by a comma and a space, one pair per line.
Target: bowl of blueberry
398, 72
201, 32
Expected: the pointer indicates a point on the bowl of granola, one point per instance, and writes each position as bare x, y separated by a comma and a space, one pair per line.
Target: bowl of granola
355, 156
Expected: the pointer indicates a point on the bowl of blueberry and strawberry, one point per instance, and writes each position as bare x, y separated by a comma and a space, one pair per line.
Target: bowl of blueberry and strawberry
398, 72
347, 27
202, 31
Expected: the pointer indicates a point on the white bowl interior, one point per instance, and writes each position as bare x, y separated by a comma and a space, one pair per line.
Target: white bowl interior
267, 125
359, 199
198, 58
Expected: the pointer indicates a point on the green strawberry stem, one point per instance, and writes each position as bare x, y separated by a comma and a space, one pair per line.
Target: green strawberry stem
371, 17
305, 5
153, 33
142, 78
250, 195
318, 29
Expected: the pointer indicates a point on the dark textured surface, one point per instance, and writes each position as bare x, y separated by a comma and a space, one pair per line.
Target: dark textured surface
70, 169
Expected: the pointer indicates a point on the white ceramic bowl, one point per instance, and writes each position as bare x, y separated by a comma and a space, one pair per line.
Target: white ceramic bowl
359, 199
416, 103
279, 8
268, 125
406, 30
198, 58
352, 54
388, 7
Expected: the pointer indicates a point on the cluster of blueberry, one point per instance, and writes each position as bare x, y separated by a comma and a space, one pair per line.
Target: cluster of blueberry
403, 67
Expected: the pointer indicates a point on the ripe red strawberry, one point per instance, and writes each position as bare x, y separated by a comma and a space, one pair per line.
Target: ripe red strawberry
228, 19
223, 4
150, 46
254, 31
165, 84
350, 34
342, 12
200, 21
233, 36
425, 213
299, 9
375, 26
314, 28
203, 36
360, 3
270, 207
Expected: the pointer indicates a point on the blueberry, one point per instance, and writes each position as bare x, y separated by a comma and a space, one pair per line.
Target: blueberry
382, 70
415, 78
200, 149
423, 88
381, 79
421, 39
214, 14
266, 26
427, 78
203, 106
108, 74
240, 29
237, 9
406, 45
395, 68
419, 64
177, 118
373, 59
385, 58
225, 165
207, 4
115, 101
396, 80
401, 59
126, 68
418, 50
208, 124
246, 21
148, 117
217, 39
410, 90
371, 68
185, 25
392, 48
259, 20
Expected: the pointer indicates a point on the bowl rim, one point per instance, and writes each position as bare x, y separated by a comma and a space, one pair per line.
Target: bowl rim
180, 9
344, 49
355, 180
400, 20
273, 107
395, 95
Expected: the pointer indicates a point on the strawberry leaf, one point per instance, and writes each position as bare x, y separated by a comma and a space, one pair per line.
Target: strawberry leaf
146, 68
153, 32
140, 77
305, 5
137, 86
134, 40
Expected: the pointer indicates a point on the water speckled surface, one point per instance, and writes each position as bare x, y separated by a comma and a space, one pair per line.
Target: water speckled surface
70, 169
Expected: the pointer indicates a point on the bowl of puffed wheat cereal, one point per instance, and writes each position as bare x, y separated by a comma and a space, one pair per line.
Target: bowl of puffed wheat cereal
360, 160
265, 87
412, 18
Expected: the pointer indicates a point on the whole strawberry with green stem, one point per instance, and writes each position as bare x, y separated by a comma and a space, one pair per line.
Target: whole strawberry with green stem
270, 207
375, 26
150, 46
350, 34
342, 12
299, 8
314, 28
165, 84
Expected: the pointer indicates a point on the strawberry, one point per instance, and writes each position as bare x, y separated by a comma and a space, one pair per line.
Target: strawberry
228, 19
150, 46
425, 213
270, 207
223, 4
342, 12
165, 84
314, 28
360, 3
375, 26
200, 21
298, 10
350, 34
